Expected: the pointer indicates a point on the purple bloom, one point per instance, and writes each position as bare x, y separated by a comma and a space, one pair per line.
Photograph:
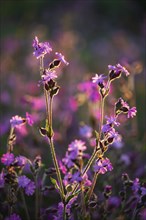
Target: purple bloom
23, 181
62, 167
143, 190
48, 75
132, 112
86, 131
86, 181
113, 202
7, 159
102, 166
59, 211
40, 49
13, 217
106, 128
112, 120
77, 144
68, 159
136, 185
118, 68
17, 121
98, 79
61, 58
29, 119
30, 188
76, 177
21, 160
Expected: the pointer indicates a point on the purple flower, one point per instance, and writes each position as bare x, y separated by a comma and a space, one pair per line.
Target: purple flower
132, 112
48, 75
136, 185
7, 159
77, 144
76, 177
86, 181
102, 166
98, 79
23, 181
113, 202
118, 69
61, 58
86, 131
29, 119
68, 159
62, 167
21, 160
59, 211
106, 128
40, 49
112, 120
13, 217
17, 121
2, 179
26, 184
30, 188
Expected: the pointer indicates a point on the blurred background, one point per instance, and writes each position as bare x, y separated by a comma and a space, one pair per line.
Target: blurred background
91, 34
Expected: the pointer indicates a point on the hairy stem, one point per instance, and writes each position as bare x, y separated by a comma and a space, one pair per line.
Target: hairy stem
36, 199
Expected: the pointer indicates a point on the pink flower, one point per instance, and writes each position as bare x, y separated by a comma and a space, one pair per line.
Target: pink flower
7, 159
132, 112
61, 58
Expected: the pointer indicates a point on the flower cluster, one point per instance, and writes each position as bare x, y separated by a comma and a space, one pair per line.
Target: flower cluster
102, 165
26, 184
17, 121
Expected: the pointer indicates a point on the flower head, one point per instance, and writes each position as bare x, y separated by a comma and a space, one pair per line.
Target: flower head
26, 184
23, 181
98, 79
102, 166
21, 160
29, 119
7, 159
86, 131
30, 188
40, 49
17, 121
61, 58
48, 75
118, 68
132, 112
112, 120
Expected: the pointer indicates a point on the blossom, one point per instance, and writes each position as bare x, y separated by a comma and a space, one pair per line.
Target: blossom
102, 166
62, 167
17, 121
30, 188
132, 112
86, 131
13, 217
136, 185
98, 79
23, 181
26, 184
21, 160
48, 75
112, 120
61, 58
106, 128
40, 49
29, 119
76, 177
118, 68
7, 159
77, 144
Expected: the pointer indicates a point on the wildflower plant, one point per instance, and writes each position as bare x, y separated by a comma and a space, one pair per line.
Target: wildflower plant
77, 172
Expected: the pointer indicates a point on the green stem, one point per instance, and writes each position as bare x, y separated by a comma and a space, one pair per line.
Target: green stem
102, 114
93, 185
9, 143
56, 167
25, 206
